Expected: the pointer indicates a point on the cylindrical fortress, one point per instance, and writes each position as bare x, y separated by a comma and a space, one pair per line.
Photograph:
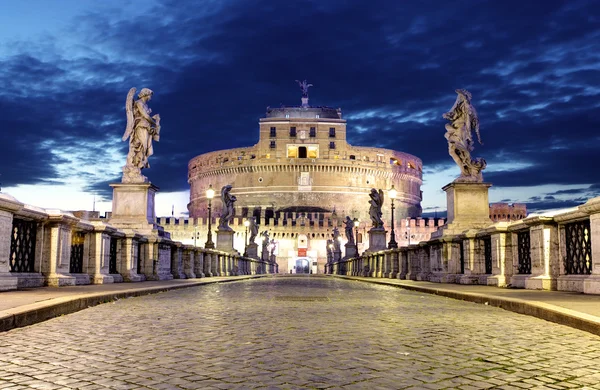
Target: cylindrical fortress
302, 163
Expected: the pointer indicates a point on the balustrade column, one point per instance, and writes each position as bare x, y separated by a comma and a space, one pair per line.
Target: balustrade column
188, 258
98, 266
177, 261
127, 267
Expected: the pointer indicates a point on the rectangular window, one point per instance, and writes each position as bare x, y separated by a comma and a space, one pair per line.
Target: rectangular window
313, 132
273, 132
332, 145
272, 145
352, 157
292, 152
313, 152
332, 132
292, 131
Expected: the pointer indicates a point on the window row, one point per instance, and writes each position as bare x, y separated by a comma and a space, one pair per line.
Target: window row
293, 132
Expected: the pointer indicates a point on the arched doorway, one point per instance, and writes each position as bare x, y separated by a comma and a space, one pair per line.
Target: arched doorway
302, 266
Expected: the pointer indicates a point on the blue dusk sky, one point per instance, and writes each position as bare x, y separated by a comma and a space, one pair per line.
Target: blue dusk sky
533, 68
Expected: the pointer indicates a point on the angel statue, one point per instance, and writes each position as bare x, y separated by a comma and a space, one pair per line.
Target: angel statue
375, 210
265, 241
336, 240
304, 86
228, 210
141, 130
464, 120
253, 230
348, 230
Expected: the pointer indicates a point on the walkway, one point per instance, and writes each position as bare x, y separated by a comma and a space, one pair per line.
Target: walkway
297, 332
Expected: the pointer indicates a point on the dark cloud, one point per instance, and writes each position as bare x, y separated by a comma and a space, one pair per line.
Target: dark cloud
391, 66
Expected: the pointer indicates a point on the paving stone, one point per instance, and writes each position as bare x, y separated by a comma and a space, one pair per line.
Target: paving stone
237, 335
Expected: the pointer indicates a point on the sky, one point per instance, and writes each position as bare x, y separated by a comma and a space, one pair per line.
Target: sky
533, 68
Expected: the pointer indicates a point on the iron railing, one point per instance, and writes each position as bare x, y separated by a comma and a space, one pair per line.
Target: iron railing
462, 257
22, 245
76, 261
487, 254
112, 259
579, 248
139, 258
524, 251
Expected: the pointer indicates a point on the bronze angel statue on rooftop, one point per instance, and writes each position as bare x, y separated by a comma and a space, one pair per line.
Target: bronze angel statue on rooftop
459, 134
141, 130
304, 87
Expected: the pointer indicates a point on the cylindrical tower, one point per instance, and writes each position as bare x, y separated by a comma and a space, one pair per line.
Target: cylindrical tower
302, 163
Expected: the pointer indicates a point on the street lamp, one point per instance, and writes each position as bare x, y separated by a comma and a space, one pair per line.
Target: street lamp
246, 224
196, 234
356, 223
392, 194
407, 234
210, 193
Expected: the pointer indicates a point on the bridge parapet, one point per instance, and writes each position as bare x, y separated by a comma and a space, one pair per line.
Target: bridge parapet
52, 247
558, 250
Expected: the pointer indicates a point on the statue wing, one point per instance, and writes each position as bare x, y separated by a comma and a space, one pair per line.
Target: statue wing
381, 197
129, 112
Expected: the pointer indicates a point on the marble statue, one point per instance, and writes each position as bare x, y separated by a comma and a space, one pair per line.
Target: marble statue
265, 241
253, 229
348, 229
141, 130
304, 86
336, 240
228, 209
272, 245
463, 120
375, 210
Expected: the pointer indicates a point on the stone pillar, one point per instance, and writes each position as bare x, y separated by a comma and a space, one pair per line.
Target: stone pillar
133, 207
403, 269
198, 266
252, 250
188, 259
225, 241
100, 253
424, 263
208, 264
215, 264
127, 267
377, 240
501, 256
8, 206
591, 285
394, 266
351, 251
544, 252
177, 261
413, 263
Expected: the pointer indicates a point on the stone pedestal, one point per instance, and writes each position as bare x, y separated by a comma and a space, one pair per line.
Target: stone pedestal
377, 240
225, 241
133, 208
468, 208
252, 250
351, 251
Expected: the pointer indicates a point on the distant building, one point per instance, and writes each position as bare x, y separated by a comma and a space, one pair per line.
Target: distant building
504, 212
300, 181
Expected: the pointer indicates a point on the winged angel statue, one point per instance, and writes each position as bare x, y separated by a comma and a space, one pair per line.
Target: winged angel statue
141, 130
375, 210
464, 120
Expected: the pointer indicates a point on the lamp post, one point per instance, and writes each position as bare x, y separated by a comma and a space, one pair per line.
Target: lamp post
407, 234
195, 234
246, 224
210, 193
356, 223
392, 244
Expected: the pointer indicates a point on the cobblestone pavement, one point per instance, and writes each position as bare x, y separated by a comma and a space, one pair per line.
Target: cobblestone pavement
297, 332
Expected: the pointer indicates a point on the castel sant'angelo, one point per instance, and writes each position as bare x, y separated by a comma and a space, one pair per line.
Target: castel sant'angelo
300, 181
